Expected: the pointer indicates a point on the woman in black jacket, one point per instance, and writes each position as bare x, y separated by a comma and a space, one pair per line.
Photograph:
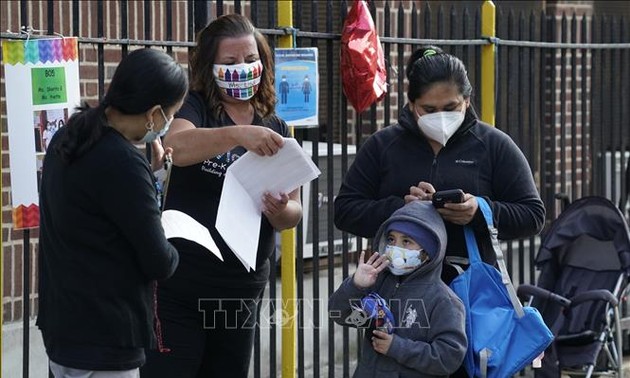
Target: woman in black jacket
102, 245
439, 144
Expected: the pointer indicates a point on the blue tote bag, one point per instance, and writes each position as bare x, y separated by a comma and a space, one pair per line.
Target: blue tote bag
503, 336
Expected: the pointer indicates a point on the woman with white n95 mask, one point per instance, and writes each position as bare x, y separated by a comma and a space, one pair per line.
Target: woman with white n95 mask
439, 144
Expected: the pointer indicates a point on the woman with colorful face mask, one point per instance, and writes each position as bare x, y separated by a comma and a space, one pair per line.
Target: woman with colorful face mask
439, 144
418, 327
102, 246
207, 310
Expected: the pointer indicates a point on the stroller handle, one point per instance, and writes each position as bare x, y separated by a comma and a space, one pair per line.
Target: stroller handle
527, 290
595, 295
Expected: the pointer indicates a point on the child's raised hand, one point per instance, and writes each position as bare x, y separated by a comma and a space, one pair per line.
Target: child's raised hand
367, 272
381, 341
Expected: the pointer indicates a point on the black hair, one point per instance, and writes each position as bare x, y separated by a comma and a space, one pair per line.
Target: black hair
429, 65
143, 79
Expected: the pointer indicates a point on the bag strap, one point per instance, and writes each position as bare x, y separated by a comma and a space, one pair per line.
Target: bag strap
494, 233
168, 165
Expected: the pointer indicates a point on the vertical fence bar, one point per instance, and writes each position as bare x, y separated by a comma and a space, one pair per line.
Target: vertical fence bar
301, 236
388, 65
455, 31
594, 106
401, 54
344, 170
330, 229
524, 143
604, 114
201, 15
562, 108
477, 57
613, 141
507, 59
544, 103
26, 294
220, 9
100, 50
316, 230
75, 18
124, 28
587, 116
534, 159
146, 6
426, 20
50, 17
601, 119
345, 331
289, 292
440, 25
25, 256
168, 4
466, 49
573, 104
488, 61
316, 226
624, 120
553, 132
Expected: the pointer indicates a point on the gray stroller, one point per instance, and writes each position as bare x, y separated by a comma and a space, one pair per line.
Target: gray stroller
584, 263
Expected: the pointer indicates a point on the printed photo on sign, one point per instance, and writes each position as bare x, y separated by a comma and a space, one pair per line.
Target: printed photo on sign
46, 123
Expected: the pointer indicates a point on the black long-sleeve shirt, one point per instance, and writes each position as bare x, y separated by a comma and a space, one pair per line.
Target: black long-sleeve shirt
102, 246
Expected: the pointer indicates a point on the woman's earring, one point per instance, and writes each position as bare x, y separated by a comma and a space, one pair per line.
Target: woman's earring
150, 125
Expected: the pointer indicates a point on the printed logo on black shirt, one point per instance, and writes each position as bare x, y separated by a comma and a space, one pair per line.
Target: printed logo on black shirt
219, 164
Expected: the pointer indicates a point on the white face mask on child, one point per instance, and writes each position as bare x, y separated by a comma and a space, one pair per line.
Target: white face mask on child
402, 261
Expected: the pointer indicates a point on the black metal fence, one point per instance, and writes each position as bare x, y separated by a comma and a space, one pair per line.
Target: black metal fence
563, 94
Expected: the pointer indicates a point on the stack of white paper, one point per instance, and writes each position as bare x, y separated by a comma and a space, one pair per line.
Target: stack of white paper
239, 214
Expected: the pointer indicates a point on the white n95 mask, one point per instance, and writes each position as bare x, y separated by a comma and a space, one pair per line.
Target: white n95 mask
440, 126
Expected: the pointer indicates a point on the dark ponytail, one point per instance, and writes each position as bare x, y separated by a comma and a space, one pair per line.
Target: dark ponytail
84, 129
143, 79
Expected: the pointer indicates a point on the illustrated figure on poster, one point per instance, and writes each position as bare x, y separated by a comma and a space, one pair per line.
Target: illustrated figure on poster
306, 88
284, 89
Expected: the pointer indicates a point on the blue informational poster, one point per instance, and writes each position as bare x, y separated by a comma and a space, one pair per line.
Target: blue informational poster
297, 86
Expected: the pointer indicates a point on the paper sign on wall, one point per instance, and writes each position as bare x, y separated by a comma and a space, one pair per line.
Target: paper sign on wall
42, 91
297, 86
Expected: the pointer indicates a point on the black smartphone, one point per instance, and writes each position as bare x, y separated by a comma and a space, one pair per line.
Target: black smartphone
447, 196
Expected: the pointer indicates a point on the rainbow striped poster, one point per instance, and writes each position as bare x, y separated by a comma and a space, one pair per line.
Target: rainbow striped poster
42, 91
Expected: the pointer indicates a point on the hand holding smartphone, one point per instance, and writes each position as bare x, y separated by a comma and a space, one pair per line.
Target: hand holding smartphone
447, 196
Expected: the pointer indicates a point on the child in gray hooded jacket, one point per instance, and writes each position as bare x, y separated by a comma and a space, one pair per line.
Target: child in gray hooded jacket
421, 332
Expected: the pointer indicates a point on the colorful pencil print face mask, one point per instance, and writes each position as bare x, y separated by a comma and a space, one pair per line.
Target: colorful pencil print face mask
239, 81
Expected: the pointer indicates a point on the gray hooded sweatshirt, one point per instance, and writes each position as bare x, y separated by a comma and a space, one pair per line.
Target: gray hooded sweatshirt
430, 326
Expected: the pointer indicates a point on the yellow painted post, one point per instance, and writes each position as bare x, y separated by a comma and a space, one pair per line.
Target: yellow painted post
289, 283
488, 62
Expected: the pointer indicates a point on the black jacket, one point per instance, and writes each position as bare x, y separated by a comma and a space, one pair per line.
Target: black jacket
101, 247
479, 159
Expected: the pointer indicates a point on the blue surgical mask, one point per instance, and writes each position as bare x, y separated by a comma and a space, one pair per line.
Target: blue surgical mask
152, 135
402, 261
